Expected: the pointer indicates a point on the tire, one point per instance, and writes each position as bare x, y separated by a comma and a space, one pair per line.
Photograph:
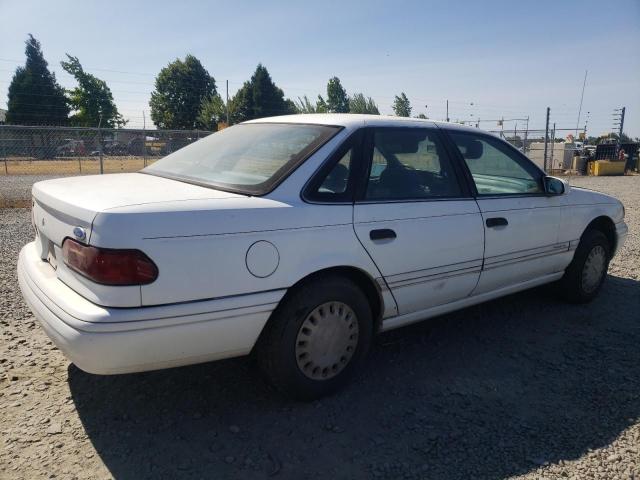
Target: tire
586, 273
313, 345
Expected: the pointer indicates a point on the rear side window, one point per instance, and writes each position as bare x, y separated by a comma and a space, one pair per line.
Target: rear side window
409, 163
334, 181
495, 168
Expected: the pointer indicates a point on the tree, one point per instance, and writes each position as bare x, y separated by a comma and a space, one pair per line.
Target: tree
181, 87
304, 105
337, 98
402, 106
361, 104
35, 97
212, 111
321, 105
91, 100
260, 97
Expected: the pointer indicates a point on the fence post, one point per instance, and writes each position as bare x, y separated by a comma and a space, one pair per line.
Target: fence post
100, 150
100, 145
553, 145
546, 140
79, 156
144, 139
4, 153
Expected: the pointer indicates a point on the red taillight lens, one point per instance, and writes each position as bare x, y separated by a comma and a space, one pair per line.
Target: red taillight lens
109, 266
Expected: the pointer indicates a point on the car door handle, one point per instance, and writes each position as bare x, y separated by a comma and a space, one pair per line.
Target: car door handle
382, 234
497, 222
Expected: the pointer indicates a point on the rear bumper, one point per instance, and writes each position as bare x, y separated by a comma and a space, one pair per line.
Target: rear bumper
106, 340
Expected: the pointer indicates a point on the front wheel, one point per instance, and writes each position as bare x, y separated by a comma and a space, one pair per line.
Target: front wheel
317, 338
586, 273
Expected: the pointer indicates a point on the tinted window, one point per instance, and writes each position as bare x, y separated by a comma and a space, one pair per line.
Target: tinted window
496, 169
409, 163
249, 158
337, 179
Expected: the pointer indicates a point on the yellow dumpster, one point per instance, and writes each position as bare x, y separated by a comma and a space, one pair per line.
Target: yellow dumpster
606, 167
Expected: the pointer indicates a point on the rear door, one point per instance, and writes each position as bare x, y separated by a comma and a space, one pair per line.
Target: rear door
416, 219
521, 222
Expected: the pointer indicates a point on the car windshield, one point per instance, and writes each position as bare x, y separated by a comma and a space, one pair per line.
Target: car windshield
249, 158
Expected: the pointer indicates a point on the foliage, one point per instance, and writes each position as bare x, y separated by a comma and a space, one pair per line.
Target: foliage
91, 99
35, 97
259, 97
212, 111
337, 98
609, 138
321, 105
422, 116
304, 105
402, 106
361, 104
181, 87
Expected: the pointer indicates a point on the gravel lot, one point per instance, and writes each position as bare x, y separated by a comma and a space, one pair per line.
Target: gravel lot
521, 387
15, 191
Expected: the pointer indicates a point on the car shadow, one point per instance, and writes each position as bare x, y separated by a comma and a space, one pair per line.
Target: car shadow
491, 391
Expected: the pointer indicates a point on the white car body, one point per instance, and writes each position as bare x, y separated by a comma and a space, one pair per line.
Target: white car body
226, 260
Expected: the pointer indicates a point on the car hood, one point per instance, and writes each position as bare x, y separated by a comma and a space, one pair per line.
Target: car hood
580, 195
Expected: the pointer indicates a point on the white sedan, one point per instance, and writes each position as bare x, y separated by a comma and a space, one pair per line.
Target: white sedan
298, 238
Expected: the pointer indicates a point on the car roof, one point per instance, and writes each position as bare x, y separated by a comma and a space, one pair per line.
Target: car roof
353, 120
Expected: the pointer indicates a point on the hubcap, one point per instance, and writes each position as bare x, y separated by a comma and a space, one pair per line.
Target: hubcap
327, 340
594, 267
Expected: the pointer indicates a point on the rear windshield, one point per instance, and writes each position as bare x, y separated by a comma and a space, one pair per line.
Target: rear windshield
250, 158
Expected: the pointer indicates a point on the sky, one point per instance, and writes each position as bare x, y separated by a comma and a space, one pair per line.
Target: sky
490, 59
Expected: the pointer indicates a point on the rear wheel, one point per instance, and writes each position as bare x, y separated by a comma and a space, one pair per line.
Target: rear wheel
586, 273
317, 338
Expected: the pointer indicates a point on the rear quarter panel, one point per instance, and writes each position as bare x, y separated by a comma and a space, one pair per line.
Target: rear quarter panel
202, 252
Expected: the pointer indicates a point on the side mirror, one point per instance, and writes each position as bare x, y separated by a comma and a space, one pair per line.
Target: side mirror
555, 186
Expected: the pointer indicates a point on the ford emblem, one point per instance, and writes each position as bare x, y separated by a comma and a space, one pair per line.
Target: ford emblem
79, 233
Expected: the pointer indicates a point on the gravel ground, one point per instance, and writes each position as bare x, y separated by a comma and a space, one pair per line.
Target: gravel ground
521, 387
15, 190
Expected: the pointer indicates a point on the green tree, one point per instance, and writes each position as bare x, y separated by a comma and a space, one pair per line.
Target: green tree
321, 105
260, 97
358, 103
181, 87
35, 97
337, 98
91, 99
212, 111
304, 105
402, 106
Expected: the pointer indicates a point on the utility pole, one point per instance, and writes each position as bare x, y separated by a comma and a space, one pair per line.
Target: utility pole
621, 124
227, 104
546, 140
526, 133
584, 83
447, 110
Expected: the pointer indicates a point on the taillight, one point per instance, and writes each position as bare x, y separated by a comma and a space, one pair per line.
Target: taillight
109, 266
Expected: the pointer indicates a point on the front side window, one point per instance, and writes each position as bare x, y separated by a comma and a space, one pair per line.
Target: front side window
248, 158
409, 163
496, 170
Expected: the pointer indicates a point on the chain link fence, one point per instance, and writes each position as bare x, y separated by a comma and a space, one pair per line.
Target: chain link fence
38, 150
550, 149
